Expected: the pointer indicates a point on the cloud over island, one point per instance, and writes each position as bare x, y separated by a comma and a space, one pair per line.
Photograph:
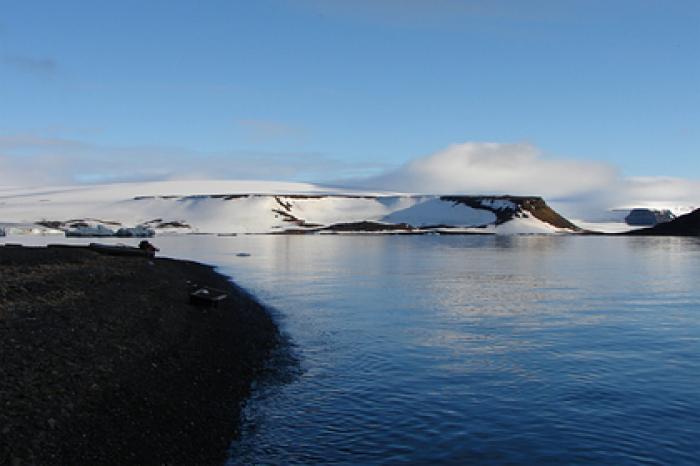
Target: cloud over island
579, 187
486, 168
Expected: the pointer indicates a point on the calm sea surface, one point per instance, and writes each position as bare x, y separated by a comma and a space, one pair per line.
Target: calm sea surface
460, 350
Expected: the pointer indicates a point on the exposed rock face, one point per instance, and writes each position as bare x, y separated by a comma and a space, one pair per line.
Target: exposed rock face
508, 207
648, 217
501, 209
369, 226
685, 225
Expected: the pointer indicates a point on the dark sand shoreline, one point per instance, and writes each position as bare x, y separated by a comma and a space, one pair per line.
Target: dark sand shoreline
104, 361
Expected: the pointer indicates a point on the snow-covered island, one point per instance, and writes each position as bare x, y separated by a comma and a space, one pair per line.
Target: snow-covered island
253, 207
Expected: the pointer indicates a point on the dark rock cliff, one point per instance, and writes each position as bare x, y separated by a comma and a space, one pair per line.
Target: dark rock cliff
685, 225
648, 217
534, 205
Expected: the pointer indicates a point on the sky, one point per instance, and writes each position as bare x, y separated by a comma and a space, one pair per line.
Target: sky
360, 92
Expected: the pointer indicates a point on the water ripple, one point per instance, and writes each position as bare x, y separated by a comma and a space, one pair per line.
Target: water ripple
458, 350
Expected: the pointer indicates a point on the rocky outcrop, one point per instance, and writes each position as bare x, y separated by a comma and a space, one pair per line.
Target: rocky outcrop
369, 226
648, 217
509, 207
685, 225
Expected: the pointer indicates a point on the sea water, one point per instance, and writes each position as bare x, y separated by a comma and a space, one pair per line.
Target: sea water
470, 349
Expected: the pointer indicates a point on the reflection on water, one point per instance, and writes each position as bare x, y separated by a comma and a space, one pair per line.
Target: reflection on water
454, 350
481, 349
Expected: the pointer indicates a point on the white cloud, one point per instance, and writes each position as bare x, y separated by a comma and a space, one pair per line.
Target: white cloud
31, 159
486, 168
660, 191
579, 189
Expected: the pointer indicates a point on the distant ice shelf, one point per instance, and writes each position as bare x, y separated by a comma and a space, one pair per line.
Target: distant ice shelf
228, 207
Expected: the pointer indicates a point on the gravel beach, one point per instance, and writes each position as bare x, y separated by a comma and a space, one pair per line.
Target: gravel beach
103, 360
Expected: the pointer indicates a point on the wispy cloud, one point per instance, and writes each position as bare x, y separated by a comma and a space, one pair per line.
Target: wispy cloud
31, 141
661, 191
30, 159
261, 131
33, 65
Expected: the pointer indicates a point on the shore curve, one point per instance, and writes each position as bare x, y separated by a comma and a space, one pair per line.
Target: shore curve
105, 361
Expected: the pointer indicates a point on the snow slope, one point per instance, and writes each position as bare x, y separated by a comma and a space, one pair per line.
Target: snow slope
268, 207
426, 211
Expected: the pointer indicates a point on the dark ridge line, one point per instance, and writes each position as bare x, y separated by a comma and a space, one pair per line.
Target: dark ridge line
684, 225
536, 205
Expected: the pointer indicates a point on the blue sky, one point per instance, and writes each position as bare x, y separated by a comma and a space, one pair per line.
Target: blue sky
326, 89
